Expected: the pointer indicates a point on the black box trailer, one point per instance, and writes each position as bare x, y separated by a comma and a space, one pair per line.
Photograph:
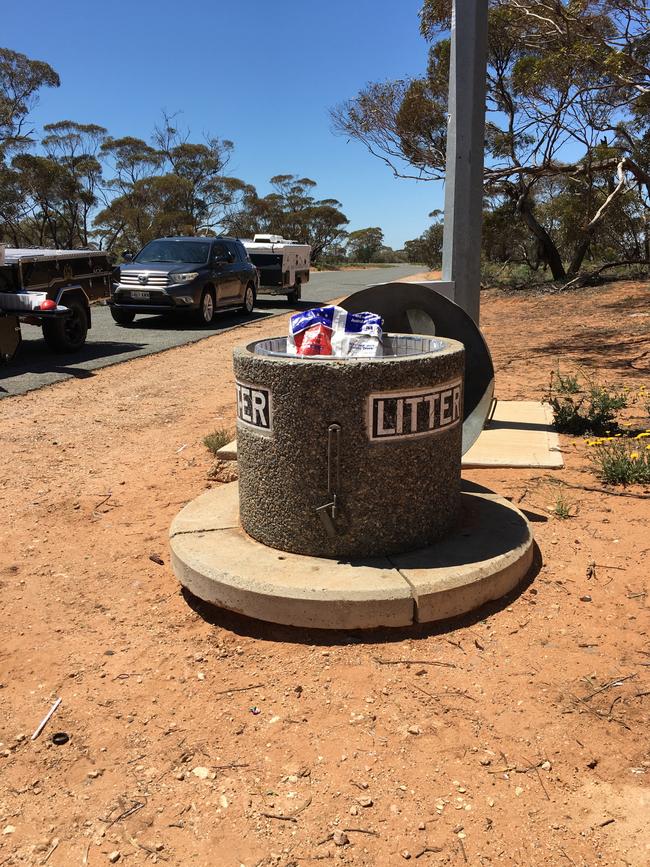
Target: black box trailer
52, 289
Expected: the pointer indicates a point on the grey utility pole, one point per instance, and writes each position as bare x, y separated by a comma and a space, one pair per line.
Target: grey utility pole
461, 248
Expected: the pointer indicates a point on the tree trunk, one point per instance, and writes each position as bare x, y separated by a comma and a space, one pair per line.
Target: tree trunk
551, 253
579, 254
598, 217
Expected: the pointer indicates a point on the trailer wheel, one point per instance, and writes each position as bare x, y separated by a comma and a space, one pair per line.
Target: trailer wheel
68, 334
296, 293
122, 317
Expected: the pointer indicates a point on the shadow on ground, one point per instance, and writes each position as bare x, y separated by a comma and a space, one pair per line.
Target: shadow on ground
629, 305
610, 349
34, 356
187, 325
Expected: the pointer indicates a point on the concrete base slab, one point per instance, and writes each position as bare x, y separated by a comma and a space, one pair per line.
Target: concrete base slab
520, 434
488, 554
232, 570
209, 512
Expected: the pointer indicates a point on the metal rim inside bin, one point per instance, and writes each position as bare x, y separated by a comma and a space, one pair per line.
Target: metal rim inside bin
393, 346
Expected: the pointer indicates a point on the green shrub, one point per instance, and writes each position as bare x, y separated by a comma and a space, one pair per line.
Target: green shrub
563, 508
218, 438
569, 384
512, 275
581, 406
621, 461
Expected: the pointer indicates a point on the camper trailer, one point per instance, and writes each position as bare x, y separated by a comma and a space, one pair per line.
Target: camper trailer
283, 265
51, 289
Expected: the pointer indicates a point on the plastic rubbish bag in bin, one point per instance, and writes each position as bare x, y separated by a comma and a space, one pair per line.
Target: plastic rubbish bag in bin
332, 331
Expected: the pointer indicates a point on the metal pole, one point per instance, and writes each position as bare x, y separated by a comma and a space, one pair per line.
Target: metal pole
461, 247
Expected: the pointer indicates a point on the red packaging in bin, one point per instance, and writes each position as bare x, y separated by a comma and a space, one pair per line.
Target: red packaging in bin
315, 340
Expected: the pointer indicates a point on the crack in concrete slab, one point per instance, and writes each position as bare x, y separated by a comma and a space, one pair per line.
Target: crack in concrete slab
414, 594
202, 530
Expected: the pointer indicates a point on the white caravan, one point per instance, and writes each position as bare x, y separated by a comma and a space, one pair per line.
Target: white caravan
283, 265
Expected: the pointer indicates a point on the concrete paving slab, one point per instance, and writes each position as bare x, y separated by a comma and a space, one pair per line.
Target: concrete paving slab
228, 452
520, 434
486, 557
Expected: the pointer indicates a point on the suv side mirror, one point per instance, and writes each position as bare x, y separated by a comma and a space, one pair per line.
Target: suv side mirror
128, 255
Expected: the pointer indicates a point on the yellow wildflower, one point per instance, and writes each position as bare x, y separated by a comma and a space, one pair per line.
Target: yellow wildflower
634, 456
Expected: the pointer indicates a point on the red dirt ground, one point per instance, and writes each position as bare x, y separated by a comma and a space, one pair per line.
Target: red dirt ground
515, 736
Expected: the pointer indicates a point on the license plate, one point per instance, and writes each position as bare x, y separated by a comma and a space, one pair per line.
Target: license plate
140, 296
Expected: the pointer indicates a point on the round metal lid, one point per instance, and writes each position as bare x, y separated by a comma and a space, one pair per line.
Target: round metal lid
413, 308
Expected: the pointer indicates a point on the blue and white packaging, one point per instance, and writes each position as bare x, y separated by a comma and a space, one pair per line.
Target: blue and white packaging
332, 331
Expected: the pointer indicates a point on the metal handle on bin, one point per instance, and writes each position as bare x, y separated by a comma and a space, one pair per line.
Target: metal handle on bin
328, 511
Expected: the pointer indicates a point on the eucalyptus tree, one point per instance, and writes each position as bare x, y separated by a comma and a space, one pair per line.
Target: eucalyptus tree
172, 186
365, 244
568, 97
291, 210
21, 79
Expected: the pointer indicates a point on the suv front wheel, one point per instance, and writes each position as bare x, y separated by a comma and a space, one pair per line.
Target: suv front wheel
249, 299
205, 313
122, 317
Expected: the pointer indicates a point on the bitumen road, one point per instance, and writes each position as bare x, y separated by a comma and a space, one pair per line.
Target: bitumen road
35, 366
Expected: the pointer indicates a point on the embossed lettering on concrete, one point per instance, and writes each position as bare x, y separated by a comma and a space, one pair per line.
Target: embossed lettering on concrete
254, 407
421, 412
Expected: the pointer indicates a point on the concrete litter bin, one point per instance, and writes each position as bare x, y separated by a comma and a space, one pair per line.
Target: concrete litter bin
350, 457
349, 512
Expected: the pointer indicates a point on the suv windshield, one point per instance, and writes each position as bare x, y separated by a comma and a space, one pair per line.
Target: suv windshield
183, 252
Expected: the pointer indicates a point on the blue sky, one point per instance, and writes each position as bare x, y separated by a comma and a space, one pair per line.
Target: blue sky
259, 73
